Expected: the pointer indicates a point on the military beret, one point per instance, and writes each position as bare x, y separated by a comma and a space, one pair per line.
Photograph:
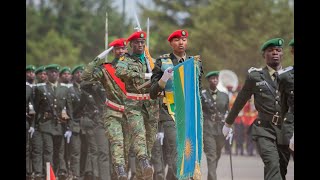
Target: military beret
272, 42
30, 68
52, 66
39, 69
136, 35
212, 73
76, 68
65, 69
178, 34
291, 43
118, 42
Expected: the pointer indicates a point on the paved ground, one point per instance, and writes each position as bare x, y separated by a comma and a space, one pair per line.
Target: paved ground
244, 168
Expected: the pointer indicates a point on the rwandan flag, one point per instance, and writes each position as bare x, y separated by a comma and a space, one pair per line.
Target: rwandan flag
188, 117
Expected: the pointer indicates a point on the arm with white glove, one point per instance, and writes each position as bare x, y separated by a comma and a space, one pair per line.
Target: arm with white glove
160, 137
31, 131
227, 130
167, 74
291, 145
68, 135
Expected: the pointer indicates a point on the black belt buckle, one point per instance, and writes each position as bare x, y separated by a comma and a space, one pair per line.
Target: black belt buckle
275, 119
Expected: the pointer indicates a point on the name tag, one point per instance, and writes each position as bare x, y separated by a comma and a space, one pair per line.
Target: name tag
261, 83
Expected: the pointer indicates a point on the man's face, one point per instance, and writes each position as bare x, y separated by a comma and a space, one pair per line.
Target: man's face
273, 56
119, 51
137, 45
30, 75
77, 76
179, 45
53, 75
213, 81
65, 77
42, 76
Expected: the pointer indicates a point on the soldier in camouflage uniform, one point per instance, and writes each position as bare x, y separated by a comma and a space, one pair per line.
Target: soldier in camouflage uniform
266, 129
82, 130
142, 112
215, 105
30, 115
286, 88
54, 110
114, 119
161, 83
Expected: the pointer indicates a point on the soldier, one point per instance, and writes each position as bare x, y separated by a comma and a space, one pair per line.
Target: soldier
161, 82
41, 74
215, 105
54, 109
30, 115
266, 129
286, 88
114, 120
65, 75
37, 144
141, 112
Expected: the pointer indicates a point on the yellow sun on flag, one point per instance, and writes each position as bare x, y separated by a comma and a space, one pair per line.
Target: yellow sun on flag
188, 148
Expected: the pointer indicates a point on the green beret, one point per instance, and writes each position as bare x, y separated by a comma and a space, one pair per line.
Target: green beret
76, 68
291, 43
39, 69
212, 73
65, 69
272, 42
30, 68
52, 66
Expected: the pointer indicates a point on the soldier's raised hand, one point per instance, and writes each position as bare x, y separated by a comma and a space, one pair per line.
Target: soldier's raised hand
167, 74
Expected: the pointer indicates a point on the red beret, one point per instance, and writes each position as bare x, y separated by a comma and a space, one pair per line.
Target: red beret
118, 42
136, 35
178, 34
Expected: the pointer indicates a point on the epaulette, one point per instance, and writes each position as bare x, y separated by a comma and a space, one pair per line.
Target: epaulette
204, 91
28, 84
40, 84
197, 57
281, 71
164, 56
65, 85
254, 69
70, 85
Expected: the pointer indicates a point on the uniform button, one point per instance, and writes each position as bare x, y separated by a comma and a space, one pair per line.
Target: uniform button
284, 119
259, 122
260, 89
276, 102
277, 112
215, 103
277, 91
277, 97
55, 106
291, 92
55, 99
51, 105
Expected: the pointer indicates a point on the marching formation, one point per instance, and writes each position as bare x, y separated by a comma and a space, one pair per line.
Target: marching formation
118, 120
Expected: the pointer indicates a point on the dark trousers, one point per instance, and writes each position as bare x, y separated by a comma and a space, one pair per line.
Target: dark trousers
28, 154
53, 152
275, 158
212, 147
37, 153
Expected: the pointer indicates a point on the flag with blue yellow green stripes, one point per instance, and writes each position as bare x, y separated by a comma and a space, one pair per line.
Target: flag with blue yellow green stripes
188, 117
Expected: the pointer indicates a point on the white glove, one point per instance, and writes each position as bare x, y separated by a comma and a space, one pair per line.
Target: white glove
160, 136
31, 131
167, 74
226, 130
68, 135
291, 145
147, 75
230, 136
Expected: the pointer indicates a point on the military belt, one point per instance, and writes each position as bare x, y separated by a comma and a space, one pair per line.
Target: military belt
273, 118
138, 96
114, 106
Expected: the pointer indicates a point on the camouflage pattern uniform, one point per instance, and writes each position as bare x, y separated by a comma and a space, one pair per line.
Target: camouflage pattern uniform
142, 121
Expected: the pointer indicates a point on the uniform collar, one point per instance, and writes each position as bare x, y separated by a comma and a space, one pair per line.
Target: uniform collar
53, 84
213, 92
271, 70
178, 57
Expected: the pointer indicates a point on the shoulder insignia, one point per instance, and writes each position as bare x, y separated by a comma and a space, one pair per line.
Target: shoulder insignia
70, 85
64, 84
40, 84
204, 91
164, 56
281, 71
254, 69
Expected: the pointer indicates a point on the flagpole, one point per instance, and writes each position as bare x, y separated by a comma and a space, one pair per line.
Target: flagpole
48, 170
106, 36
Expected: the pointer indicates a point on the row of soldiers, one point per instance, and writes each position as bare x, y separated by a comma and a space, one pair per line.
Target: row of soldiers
131, 100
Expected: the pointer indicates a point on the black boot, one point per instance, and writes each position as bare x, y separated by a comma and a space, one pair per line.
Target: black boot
146, 168
121, 172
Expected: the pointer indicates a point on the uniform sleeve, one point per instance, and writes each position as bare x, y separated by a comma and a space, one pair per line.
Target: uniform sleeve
157, 73
69, 107
283, 94
123, 71
243, 96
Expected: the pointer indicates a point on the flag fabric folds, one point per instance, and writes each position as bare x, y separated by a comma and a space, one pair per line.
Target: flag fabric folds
188, 117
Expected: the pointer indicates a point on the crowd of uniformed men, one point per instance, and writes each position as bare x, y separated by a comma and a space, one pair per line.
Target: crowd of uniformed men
100, 120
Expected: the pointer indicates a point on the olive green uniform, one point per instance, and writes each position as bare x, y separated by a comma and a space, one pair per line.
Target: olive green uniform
266, 129
215, 105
